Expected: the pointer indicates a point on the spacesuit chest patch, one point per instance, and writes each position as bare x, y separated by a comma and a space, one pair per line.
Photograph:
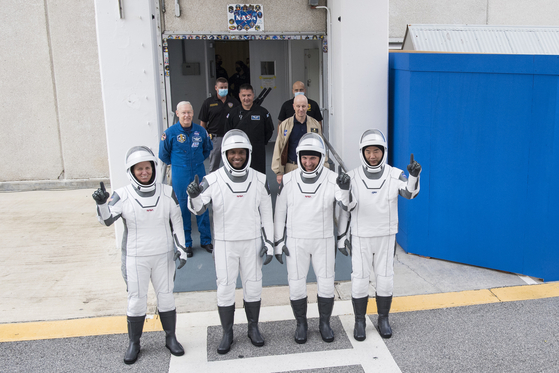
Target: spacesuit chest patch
181, 138
255, 117
315, 130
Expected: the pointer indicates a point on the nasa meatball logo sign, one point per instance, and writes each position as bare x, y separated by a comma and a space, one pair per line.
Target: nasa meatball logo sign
245, 18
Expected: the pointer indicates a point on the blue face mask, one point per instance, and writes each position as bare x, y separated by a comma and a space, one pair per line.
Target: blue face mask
299, 93
223, 92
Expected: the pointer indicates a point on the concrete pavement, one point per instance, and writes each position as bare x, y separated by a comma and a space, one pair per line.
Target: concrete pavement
62, 289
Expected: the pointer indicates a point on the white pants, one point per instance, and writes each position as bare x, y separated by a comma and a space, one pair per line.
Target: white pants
301, 252
232, 257
372, 253
139, 269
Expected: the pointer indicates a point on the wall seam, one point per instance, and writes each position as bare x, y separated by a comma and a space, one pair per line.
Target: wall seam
54, 91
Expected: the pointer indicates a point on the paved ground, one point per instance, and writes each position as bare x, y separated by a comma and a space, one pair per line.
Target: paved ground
64, 301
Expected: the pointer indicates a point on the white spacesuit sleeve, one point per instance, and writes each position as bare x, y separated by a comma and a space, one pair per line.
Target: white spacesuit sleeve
280, 219
267, 219
109, 212
410, 186
345, 199
177, 224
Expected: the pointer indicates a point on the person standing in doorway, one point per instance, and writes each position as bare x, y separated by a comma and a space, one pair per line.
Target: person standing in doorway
290, 132
287, 109
256, 122
184, 146
241, 76
213, 117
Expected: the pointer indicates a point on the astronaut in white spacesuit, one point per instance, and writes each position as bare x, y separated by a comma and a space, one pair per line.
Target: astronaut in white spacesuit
152, 221
373, 227
243, 231
304, 230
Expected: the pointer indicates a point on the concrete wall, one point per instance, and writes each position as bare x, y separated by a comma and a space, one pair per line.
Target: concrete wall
475, 12
51, 120
211, 16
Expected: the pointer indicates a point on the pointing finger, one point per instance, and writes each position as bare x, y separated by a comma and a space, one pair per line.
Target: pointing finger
411, 158
196, 179
102, 187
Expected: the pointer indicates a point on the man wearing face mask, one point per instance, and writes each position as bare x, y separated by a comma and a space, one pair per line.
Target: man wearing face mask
213, 117
287, 110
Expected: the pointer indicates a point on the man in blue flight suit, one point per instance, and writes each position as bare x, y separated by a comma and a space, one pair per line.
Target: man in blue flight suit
184, 146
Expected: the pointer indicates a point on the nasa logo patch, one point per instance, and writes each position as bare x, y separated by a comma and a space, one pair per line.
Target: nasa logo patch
284, 133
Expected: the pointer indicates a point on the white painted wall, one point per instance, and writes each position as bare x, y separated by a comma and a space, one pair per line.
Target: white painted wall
130, 80
359, 73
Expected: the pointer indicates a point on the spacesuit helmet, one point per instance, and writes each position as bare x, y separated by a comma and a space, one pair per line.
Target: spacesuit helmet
236, 139
376, 138
138, 154
311, 144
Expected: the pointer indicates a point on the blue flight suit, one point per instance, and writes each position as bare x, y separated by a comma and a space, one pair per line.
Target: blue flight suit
185, 150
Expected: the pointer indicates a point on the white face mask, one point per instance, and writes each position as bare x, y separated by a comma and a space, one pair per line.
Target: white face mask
223, 92
299, 93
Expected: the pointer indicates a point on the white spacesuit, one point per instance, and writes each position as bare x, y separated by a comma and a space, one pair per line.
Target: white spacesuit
304, 230
149, 211
374, 224
243, 231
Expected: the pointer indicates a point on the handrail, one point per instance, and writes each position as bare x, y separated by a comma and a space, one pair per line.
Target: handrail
335, 154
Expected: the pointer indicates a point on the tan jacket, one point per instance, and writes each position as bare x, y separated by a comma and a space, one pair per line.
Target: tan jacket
284, 131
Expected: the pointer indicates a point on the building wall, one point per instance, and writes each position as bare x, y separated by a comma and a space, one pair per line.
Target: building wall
474, 12
52, 115
211, 16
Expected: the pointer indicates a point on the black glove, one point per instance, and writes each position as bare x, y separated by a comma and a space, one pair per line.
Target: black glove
182, 261
347, 247
279, 256
414, 168
342, 180
194, 188
264, 251
101, 195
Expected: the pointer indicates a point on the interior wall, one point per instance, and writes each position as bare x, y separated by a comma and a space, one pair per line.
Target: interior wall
187, 87
298, 62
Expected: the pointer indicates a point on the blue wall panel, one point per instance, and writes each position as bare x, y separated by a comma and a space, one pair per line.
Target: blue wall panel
485, 128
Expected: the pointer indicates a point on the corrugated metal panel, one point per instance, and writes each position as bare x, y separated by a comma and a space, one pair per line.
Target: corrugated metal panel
483, 39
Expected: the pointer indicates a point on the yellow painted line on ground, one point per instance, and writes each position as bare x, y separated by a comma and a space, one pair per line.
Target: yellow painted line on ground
71, 328
469, 298
117, 324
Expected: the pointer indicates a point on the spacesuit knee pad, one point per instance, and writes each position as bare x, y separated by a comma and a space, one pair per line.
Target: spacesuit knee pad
137, 306
325, 287
359, 287
298, 289
225, 295
252, 291
385, 285
165, 302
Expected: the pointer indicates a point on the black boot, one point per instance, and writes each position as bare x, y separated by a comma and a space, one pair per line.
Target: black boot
360, 309
383, 307
169, 322
252, 310
226, 315
299, 307
325, 306
135, 328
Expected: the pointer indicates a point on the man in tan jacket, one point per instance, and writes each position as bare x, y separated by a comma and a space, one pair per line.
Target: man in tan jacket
290, 132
